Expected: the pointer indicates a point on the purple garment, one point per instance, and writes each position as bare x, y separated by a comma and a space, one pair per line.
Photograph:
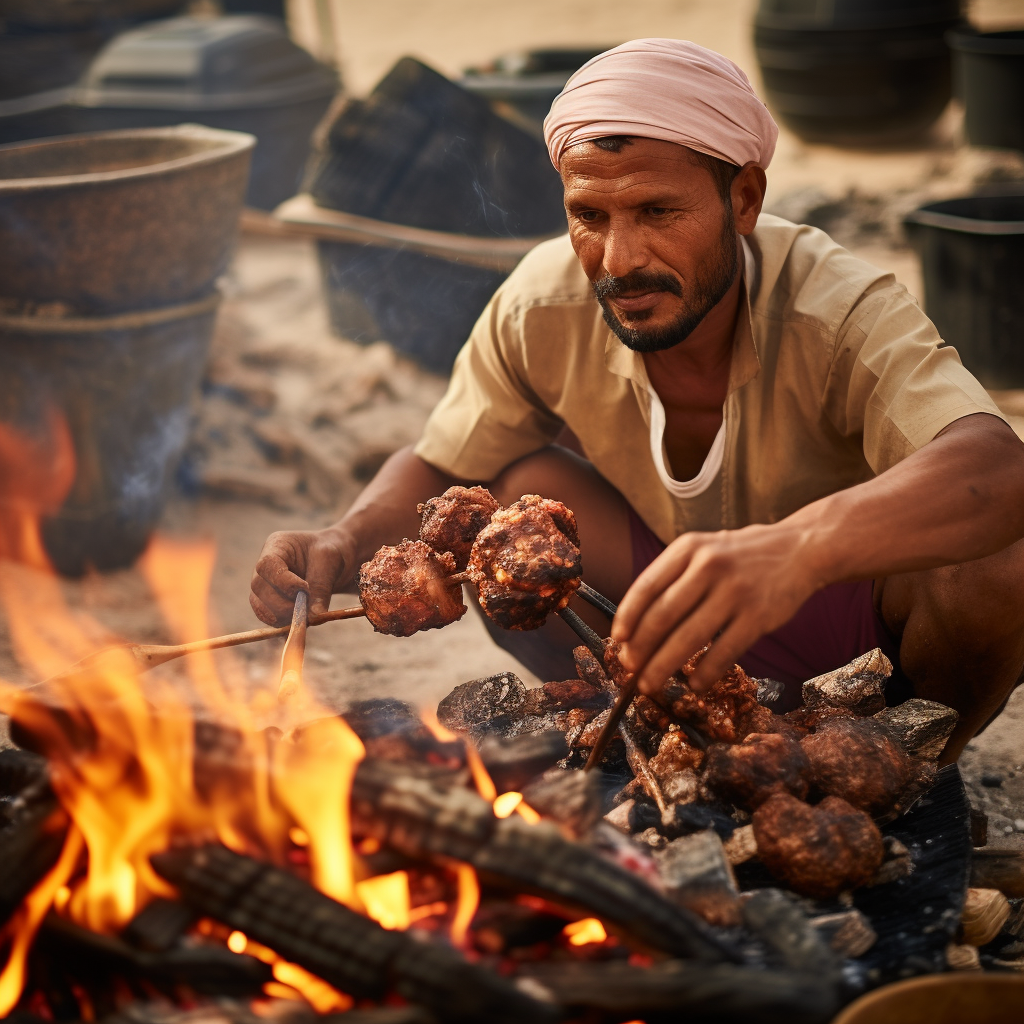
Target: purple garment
831, 628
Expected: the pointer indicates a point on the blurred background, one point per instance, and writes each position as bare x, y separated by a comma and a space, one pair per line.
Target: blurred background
238, 337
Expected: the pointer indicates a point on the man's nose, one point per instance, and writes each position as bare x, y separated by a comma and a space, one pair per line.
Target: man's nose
624, 250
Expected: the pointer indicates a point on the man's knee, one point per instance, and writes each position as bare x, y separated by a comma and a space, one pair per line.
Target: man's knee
545, 472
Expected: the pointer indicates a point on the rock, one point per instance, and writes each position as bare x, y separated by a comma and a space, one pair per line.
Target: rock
922, 726
571, 799
858, 687
619, 816
696, 874
490, 705
741, 846
848, 933
897, 862
993, 780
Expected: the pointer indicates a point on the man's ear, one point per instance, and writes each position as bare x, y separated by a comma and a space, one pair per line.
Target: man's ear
747, 194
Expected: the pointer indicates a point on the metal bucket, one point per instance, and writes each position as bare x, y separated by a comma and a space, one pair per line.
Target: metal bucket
124, 384
116, 221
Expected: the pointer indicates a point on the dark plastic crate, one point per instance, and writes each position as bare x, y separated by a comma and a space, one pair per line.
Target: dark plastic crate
990, 83
972, 257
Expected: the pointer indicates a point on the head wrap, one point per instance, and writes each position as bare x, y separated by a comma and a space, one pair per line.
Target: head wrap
667, 89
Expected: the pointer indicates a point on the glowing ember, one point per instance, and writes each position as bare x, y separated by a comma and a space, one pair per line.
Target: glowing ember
505, 804
582, 933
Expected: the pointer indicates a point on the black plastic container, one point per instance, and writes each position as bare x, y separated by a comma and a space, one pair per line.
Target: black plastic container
856, 72
422, 151
972, 257
237, 72
990, 83
527, 82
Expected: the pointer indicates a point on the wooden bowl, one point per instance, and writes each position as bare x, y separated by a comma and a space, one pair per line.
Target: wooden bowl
942, 999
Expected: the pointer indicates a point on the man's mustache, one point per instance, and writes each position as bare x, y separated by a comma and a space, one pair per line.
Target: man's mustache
636, 283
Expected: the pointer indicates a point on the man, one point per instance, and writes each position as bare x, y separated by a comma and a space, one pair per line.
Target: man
772, 448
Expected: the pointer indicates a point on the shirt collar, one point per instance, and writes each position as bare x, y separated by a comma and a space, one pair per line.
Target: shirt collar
746, 364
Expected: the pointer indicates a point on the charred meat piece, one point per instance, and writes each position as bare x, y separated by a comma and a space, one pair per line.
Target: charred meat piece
675, 754
727, 712
817, 851
452, 521
524, 565
861, 761
589, 669
563, 517
405, 589
747, 773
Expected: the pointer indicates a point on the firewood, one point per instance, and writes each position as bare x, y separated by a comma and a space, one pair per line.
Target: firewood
30, 843
19, 769
962, 958
347, 950
697, 875
537, 858
159, 925
858, 687
741, 846
777, 919
998, 869
207, 969
985, 913
673, 990
922, 726
572, 799
515, 762
848, 933
424, 820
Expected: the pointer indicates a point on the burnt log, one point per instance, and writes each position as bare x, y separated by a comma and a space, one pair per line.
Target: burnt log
345, 949
482, 706
30, 843
697, 875
20, 769
93, 959
159, 925
667, 992
515, 762
427, 821
573, 799
778, 920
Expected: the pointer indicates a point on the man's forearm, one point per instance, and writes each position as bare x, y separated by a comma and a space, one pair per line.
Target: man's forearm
385, 511
958, 498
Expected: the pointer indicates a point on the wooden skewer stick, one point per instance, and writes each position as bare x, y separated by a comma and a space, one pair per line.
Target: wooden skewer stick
148, 656
294, 650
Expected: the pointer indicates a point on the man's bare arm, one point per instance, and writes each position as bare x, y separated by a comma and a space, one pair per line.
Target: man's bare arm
325, 561
958, 498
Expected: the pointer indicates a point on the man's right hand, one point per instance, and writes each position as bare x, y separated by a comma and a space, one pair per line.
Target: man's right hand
317, 561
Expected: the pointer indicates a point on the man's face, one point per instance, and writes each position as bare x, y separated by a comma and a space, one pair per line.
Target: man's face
653, 235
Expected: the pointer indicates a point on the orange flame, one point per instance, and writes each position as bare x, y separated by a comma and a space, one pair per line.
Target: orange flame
582, 933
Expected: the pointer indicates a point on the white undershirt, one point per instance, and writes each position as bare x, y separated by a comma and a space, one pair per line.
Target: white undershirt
713, 463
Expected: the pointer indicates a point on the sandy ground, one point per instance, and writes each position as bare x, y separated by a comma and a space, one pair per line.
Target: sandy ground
328, 411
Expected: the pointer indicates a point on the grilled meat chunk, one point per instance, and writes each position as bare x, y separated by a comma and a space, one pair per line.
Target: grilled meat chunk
405, 589
861, 761
524, 565
747, 773
451, 521
817, 851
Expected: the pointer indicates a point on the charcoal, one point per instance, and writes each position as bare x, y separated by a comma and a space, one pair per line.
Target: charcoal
778, 920
670, 991
30, 843
381, 716
500, 926
741, 846
159, 925
696, 874
514, 762
18, 769
685, 819
897, 862
222, 759
208, 969
922, 726
347, 950
769, 692
644, 815
848, 933
481, 706
538, 858
565, 695
572, 799
858, 687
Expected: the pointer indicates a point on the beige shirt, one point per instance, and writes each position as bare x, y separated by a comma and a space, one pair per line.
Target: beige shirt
836, 376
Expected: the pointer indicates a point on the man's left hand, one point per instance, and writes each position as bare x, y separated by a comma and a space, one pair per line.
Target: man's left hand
729, 588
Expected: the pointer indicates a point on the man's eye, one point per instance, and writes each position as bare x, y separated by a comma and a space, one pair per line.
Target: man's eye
587, 216
658, 211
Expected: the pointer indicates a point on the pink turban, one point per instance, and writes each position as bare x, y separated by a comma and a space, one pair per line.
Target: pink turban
667, 89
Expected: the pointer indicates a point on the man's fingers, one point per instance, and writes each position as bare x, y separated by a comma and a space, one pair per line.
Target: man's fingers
324, 568
688, 638
649, 585
725, 651
263, 613
275, 571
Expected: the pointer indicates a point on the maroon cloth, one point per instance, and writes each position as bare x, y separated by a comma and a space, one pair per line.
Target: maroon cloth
830, 629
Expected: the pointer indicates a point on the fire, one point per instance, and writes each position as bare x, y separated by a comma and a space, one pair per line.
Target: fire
582, 933
386, 899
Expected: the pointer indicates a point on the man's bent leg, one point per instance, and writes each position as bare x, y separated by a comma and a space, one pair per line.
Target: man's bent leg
961, 632
603, 520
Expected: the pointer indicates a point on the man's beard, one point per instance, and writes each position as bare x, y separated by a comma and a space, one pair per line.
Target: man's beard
714, 278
